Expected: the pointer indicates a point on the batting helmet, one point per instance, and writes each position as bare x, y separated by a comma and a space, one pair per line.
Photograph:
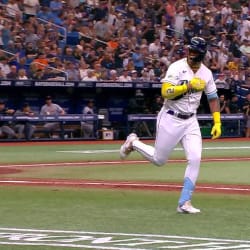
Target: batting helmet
199, 45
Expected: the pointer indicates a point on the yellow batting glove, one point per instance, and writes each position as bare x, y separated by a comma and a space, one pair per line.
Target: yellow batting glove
216, 129
197, 84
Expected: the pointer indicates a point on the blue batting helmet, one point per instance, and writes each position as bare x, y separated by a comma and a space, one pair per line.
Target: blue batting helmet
198, 44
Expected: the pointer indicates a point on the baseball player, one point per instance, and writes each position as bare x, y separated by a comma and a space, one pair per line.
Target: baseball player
182, 88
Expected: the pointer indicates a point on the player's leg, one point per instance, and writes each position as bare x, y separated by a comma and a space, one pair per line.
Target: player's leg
192, 144
168, 134
8, 131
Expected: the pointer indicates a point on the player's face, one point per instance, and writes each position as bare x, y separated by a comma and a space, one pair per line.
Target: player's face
192, 55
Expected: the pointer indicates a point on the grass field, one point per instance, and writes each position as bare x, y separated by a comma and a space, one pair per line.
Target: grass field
54, 216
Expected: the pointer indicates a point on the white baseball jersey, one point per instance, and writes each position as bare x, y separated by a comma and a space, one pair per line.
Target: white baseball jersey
171, 129
180, 73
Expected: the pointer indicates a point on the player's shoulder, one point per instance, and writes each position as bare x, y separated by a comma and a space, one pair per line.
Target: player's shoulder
181, 61
205, 69
179, 64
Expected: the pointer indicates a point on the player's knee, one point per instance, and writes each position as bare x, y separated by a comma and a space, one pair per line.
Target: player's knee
159, 162
195, 160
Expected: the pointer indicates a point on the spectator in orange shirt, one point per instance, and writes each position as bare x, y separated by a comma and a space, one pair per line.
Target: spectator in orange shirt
170, 12
41, 61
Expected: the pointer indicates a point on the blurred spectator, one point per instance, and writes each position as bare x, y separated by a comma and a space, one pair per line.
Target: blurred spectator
245, 48
68, 55
223, 105
4, 65
31, 8
108, 60
13, 72
102, 29
233, 105
30, 52
90, 76
50, 108
136, 103
99, 71
246, 110
223, 85
5, 127
125, 77
25, 129
145, 76
2, 76
22, 74
72, 71
157, 104
12, 8
31, 36
155, 46
56, 7
88, 126
83, 69
113, 77
138, 60
134, 76
165, 57
41, 61
37, 74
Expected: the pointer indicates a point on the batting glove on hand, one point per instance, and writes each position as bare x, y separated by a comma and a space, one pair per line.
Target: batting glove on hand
197, 84
216, 129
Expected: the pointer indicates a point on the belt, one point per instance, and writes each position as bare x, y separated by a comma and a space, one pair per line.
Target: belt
179, 115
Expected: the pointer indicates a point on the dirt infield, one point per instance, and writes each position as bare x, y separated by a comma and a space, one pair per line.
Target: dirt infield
81, 183
205, 188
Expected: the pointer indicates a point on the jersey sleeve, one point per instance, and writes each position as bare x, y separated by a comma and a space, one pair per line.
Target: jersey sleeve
172, 75
210, 88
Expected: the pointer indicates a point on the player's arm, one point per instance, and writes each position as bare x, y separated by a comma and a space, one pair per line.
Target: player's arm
170, 91
214, 105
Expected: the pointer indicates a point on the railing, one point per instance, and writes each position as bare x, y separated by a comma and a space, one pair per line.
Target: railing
66, 124
56, 27
80, 84
50, 67
232, 124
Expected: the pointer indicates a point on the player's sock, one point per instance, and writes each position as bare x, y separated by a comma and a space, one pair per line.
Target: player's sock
187, 191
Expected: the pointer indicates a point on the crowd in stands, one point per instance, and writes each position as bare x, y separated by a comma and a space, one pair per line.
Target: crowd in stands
111, 40
122, 40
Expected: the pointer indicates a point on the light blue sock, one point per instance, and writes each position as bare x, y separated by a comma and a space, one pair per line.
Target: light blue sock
187, 191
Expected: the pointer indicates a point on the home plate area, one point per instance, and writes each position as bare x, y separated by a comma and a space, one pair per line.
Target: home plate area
113, 241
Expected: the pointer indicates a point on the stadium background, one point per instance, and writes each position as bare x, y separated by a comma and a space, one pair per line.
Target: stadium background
61, 41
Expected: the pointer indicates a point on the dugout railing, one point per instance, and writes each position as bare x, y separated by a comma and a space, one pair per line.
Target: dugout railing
233, 125
69, 126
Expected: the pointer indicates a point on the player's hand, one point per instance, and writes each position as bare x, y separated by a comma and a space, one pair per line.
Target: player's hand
197, 84
216, 131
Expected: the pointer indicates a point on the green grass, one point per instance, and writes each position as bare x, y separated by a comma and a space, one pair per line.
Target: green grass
49, 153
124, 211
211, 172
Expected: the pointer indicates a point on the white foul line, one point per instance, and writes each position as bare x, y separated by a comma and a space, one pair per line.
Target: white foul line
100, 151
115, 184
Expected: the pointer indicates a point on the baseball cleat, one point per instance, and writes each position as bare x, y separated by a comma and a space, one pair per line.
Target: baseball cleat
187, 208
127, 147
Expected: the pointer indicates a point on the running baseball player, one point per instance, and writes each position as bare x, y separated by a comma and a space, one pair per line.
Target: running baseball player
182, 88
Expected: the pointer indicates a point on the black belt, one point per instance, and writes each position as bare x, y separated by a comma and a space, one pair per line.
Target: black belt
179, 115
